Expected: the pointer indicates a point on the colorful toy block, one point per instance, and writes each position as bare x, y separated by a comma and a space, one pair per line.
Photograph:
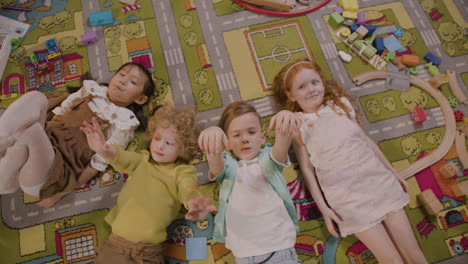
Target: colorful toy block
449, 170
335, 20
101, 18
460, 189
345, 32
410, 60
345, 56
361, 18
379, 45
361, 31
418, 115
349, 22
392, 43
89, 38
339, 9
432, 69
398, 32
432, 58
430, 202
389, 56
459, 116
413, 70
453, 101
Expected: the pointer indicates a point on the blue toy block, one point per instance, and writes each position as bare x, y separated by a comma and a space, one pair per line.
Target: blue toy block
195, 248
384, 30
392, 43
398, 32
379, 45
432, 58
101, 18
371, 29
353, 27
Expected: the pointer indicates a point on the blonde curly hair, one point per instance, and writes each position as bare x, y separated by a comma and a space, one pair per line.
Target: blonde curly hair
184, 121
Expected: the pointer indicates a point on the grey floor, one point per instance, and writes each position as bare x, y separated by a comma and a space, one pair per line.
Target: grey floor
456, 260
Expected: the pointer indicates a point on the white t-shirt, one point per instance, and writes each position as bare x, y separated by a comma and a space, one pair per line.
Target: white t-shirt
257, 221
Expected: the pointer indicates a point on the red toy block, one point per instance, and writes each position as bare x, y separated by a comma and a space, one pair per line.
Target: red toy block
459, 115
418, 115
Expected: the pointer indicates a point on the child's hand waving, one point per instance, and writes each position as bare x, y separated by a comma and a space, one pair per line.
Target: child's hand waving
199, 208
97, 141
285, 123
212, 140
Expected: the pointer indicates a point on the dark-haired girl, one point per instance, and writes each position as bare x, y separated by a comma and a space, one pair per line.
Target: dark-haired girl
45, 154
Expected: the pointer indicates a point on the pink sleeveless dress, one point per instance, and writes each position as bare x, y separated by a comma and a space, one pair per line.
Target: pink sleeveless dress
355, 183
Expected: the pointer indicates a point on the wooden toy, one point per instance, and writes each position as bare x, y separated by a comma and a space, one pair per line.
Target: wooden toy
449, 170
438, 80
430, 202
460, 189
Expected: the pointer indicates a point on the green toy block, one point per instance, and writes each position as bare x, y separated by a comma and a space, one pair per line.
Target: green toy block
335, 20
389, 56
413, 70
432, 69
453, 101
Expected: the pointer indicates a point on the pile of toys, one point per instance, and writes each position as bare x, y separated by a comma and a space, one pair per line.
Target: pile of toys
376, 45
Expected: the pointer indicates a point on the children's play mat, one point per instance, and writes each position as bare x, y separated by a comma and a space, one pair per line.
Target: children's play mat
209, 53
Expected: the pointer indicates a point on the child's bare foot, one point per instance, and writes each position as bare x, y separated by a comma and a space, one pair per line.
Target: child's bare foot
5, 143
48, 202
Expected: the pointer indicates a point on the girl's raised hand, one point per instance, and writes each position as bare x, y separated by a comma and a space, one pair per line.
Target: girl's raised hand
95, 137
286, 123
213, 140
199, 208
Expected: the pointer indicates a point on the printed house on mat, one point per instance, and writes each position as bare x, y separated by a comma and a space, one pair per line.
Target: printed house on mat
139, 51
65, 68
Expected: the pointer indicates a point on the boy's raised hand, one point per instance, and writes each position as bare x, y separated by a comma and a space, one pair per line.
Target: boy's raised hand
286, 123
213, 140
199, 208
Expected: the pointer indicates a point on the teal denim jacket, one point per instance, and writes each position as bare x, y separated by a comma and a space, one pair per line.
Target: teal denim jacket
227, 178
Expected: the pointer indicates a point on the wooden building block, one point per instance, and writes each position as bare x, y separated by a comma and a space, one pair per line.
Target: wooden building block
460, 189
449, 170
427, 196
433, 207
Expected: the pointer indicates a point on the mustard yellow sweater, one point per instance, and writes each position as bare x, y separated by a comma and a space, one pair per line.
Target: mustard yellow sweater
152, 196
